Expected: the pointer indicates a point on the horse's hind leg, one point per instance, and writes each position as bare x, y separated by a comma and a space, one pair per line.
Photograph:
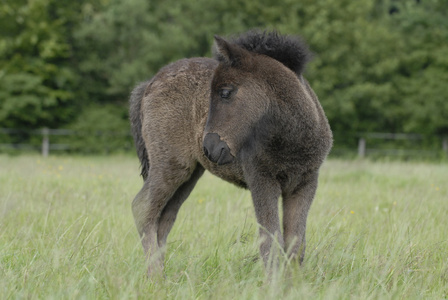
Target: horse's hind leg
147, 207
295, 212
170, 211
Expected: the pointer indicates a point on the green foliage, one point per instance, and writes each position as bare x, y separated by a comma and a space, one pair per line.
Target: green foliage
100, 129
379, 65
36, 79
423, 68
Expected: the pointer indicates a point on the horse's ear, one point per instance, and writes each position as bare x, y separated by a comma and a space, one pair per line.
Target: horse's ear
227, 53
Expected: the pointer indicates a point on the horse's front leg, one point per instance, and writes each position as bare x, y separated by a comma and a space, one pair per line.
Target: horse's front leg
265, 194
295, 212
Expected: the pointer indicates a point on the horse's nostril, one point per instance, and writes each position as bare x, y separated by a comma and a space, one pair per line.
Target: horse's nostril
216, 150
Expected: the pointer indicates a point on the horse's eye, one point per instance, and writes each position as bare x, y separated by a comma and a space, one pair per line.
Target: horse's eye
225, 93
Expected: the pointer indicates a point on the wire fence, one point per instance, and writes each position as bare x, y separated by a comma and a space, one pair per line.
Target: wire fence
48, 141
370, 144
408, 144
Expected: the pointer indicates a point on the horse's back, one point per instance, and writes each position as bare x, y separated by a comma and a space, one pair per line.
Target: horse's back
174, 110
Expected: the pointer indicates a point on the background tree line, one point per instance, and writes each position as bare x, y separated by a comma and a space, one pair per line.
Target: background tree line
379, 65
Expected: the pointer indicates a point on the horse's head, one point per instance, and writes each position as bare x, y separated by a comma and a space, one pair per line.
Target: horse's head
243, 86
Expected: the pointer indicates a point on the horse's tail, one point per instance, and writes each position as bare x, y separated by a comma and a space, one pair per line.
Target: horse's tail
135, 116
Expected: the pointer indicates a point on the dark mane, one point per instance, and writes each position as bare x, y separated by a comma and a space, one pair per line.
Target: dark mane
291, 51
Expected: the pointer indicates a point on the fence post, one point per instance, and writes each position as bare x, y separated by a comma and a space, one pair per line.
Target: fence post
45, 142
362, 148
445, 144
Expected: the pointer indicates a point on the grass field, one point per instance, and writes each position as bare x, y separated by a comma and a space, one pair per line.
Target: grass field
376, 230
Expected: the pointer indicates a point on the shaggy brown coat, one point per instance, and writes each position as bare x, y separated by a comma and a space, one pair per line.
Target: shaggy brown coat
247, 116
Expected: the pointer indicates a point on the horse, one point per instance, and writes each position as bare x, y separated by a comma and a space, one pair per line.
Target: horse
248, 116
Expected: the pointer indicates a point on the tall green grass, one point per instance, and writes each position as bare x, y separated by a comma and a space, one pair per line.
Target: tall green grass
376, 230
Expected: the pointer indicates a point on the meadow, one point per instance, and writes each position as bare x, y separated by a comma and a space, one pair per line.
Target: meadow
376, 230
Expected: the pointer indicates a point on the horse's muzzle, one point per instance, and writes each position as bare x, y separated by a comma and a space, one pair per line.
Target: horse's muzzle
216, 150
